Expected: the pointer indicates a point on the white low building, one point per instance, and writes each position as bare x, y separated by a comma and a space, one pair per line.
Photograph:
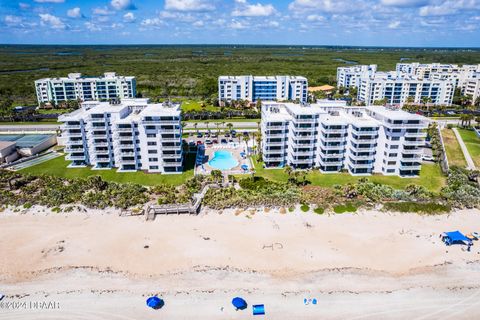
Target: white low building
253, 88
397, 89
460, 73
472, 88
130, 135
77, 87
332, 138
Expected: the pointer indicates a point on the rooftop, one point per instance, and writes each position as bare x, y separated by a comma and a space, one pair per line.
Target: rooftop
25, 140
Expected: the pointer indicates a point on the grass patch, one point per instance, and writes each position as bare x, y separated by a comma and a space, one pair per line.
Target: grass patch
417, 207
342, 208
29, 123
452, 147
223, 120
319, 210
54, 111
304, 208
472, 141
431, 177
58, 167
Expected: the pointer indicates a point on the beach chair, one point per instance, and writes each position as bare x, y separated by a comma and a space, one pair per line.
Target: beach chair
258, 309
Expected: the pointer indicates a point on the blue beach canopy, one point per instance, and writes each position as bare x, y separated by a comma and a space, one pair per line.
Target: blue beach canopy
456, 236
239, 303
155, 302
258, 309
244, 167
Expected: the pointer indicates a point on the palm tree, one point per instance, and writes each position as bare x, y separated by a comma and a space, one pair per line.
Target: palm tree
230, 126
288, 170
218, 126
196, 125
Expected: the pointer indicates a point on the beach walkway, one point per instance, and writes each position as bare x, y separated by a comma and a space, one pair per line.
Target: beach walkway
466, 154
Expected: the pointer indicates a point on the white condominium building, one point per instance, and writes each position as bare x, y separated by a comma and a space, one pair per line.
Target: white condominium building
439, 71
397, 88
350, 76
472, 88
253, 88
75, 86
334, 137
129, 135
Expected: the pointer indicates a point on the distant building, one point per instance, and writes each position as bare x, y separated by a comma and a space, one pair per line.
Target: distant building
75, 86
253, 88
350, 76
130, 135
332, 137
397, 89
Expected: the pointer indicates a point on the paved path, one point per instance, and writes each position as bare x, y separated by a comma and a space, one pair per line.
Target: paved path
27, 128
35, 161
466, 154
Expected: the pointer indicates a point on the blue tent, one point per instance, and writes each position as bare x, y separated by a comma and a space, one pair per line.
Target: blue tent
155, 302
239, 303
244, 167
455, 237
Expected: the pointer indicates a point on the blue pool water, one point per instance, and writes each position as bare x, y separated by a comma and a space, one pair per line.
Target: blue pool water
223, 160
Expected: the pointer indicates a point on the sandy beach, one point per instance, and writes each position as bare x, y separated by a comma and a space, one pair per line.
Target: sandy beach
369, 265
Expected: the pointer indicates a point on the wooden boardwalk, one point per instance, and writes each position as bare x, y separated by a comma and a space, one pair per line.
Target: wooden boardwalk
190, 208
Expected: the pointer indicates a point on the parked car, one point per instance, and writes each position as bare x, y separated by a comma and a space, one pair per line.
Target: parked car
227, 135
230, 140
199, 142
191, 143
199, 135
428, 158
245, 133
208, 141
214, 135
215, 141
223, 141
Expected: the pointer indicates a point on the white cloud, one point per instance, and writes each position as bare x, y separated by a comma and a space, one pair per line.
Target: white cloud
122, 5
405, 3
92, 26
253, 10
449, 7
23, 6
116, 25
74, 13
189, 5
394, 25
102, 11
274, 24
237, 25
330, 6
155, 22
129, 17
51, 21
50, 1
12, 20
198, 23
315, 18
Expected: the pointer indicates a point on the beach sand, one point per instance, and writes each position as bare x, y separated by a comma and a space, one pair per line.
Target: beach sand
370, 265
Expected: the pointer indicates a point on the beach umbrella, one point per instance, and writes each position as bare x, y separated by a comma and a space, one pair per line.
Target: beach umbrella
244, 167
155, 302
239, 303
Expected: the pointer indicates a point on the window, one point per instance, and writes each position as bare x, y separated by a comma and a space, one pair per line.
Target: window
153, 159
151, 135
151, 143
391, 163
390, 170
392, 154
153, 167
152, 151
394, 146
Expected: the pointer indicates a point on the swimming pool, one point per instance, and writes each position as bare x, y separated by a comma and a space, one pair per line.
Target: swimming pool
223, 160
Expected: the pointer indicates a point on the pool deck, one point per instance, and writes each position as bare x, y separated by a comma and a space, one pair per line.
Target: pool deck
235, 149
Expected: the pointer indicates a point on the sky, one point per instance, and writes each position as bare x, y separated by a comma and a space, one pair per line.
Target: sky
420, 23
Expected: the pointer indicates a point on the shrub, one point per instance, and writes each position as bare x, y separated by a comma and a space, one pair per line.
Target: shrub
417, 207
27, 205
318, 210
304, 208
450, 126
291, 209
348, 207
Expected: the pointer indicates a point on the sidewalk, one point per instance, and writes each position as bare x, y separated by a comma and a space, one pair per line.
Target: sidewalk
466, 154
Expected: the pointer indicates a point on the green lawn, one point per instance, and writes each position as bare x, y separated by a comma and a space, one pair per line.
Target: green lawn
195, 105
430, 177
472, 141
452, 147
58, 167
224, 120
51, 111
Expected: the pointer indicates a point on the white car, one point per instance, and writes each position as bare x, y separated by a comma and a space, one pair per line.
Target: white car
427, 158
2, 296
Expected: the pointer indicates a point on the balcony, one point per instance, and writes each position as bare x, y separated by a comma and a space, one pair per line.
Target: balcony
303, 129
171, 147
161, 122
413, 159
124, 146
73, 134
414, 142
410, 167
100, 144
97, 134
70, 126
74, 142
296, 120
405, 125
266, 151
127, 153
119, 129
275, 143
331, 163
363, 149
416, 134
170, 156
331, 155
302, 153
332, 131
332, 147
266, 159
70, 149
127, 161
101, 151
365, 133
171, 139
412, 151
361, 165
276, 127
97, 126
73, 158
276, 135
334, 139
302, 161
